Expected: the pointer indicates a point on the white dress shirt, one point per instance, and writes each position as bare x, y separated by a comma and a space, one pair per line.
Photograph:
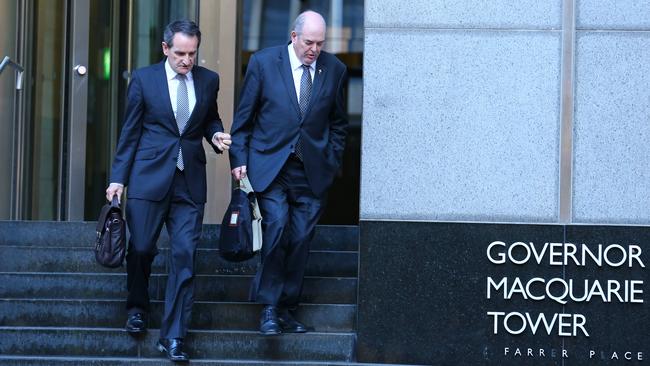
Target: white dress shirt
172, 85
296, 69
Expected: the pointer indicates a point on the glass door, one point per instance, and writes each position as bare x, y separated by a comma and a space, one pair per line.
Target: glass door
9, 97
40, 179
54, 140
107, 75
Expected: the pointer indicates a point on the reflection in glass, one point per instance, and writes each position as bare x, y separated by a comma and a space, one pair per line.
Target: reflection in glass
268, 23
7, 95
46, 84
149, 20
103, 52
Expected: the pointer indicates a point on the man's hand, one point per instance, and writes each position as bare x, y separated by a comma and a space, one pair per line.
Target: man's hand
221, 140
239, 173
114, 189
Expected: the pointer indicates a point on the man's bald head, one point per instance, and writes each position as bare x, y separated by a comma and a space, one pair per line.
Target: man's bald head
312, 18
308, 36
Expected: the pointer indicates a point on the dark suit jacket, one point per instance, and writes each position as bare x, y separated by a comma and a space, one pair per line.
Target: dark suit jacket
267, 123
146, 154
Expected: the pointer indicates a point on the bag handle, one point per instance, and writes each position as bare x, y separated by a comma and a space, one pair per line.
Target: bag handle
103, 213
246, 187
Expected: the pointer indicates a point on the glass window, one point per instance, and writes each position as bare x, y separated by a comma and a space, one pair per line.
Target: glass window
268, 23
149, 20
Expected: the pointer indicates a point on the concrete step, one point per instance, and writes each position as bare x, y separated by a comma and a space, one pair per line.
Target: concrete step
107, 286
58, 307
237, 345
81, 259
125, 361
82, 234
205, 315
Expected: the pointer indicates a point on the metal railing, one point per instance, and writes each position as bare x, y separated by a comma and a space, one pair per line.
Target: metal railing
19, 71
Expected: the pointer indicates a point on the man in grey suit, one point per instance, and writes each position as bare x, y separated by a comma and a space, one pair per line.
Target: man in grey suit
172, 107
288, 136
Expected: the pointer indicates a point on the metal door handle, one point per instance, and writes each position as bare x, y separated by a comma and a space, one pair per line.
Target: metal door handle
81, 70
19, 71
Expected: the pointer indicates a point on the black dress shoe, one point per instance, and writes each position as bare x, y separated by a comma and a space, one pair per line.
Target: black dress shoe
269, 321
135, 324
289, 324
174, 349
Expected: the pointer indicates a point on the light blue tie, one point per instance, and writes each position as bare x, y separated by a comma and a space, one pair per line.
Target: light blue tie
182, 114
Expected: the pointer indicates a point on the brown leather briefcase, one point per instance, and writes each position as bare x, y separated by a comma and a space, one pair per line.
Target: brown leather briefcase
110, 244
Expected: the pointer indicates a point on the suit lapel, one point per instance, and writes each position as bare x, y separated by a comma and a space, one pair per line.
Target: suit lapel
163, 86
284, 66
198, 92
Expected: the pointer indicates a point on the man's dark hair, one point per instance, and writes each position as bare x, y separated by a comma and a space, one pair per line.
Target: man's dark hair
187, 27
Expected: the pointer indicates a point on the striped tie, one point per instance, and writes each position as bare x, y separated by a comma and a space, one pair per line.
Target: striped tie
182, 114
305, 95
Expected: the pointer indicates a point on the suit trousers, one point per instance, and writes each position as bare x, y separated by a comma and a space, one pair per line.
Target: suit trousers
183, 219
290, 211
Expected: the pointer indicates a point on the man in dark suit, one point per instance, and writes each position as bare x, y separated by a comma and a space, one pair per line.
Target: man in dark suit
171, 107
288, 136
